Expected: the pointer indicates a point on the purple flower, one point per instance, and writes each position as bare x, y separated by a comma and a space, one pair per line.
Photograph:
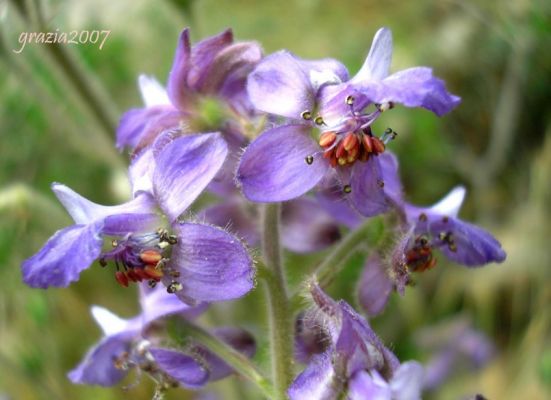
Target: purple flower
351, 358
285, 162
125, 344
197, 262
213, 68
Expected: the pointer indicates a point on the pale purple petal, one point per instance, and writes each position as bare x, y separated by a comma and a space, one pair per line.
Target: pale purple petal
64, 256
140, 172
306, 227
391, 178
177, 87
153, 93
122, 224
473, 245
273, 167
181, 367
326, 71
213, 264
98, 367
413, 87
184, 167
158, 303
377, 63
407, 381
331, 197
280, 85
367, 183
110, 323
364, 386
83, 211
375, 286
317, 381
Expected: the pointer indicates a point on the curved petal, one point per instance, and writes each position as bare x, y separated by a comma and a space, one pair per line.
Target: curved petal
367, 183
306, 227
280, 85
98, 366
64, 256
109, 323
153, 93
326, 71
158, 303
83, 211
181, 367
317, 381
363, 386
451, 203
413, 87
407, 381
184, 167
310, 337
177, 87
377, 63
273, 167
473, 246
331, 197
375, 286
391, 178
213, 265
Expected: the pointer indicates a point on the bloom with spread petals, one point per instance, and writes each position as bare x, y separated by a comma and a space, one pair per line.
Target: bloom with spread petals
198, 262
351, 359
285, 161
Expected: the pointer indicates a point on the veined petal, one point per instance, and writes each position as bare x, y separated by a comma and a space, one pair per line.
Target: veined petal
98, 367
213, 264
306, 227
413, 87
184, 167
377, 63
64, 256
281, 85
326, 71
364, 386
83, 211
273, 167
473, 246
181, 367
109, 323
158, 303
177, 87
375, 286
367, 183
407, 381
317, 381
153, 93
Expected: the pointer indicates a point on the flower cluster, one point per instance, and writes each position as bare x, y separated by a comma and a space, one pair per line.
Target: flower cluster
310, 141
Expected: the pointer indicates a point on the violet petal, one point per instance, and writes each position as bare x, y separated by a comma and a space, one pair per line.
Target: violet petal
375, 286
181, 367
316, 382
377, 63
367, 183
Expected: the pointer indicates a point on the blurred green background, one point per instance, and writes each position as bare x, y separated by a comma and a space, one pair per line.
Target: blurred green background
495, 54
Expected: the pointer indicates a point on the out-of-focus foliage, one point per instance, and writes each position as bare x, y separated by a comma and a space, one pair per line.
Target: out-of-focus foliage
494, 54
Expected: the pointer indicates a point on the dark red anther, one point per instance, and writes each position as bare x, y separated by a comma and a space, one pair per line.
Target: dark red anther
153, 272
121, 278
341, 151
132, 276
142, 274
378, 145
366, 142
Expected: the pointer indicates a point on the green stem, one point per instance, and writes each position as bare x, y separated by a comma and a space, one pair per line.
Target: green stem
368, 233
281, 332
181, 328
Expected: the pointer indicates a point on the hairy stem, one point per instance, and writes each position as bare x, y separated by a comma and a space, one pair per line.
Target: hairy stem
181, 329
281, 333
368, 233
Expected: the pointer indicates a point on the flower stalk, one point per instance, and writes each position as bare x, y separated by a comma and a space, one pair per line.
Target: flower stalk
281, 333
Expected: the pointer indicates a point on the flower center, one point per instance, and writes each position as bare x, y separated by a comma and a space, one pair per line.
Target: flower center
420, 258
351, 139
140, 258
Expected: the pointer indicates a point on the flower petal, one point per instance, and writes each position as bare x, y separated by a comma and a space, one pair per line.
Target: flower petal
153, 93
60, 262
281, 85
158, 303
83, 211
109, 323
377, 63
375, 286
213, 265
273, 167
177, 87
181, 367
451, 203
98, 367
407, 381
317, 381
367, 183
363, 386
306, 227
413, 87
184, 167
